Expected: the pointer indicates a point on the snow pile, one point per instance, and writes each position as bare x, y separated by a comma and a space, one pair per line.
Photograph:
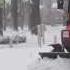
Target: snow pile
9, 32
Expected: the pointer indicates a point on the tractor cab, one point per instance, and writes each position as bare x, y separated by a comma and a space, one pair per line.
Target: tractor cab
65, 34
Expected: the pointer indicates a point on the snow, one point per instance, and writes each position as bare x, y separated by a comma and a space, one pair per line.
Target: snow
49, 64
21, 55
25, 56
16, 58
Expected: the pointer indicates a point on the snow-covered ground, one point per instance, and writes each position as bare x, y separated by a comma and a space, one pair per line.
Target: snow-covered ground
21, 55
49, 64
25, 56
16, 59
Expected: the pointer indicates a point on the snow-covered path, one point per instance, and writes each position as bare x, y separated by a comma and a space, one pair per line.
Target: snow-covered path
16, 58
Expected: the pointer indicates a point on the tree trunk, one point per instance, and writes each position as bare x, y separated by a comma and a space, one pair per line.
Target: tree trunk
69, 11
35, 16
14, 8
4, 16
1, 19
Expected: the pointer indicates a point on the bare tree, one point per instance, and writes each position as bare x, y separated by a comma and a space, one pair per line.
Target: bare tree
35, 16
69, 11
1, 17
14, 7
20, 13
4, 15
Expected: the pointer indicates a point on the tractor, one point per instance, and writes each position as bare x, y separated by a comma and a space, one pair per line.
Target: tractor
59, 49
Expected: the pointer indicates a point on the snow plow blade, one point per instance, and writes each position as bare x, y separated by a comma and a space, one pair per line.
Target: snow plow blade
49, 55
53, 55
57, 47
